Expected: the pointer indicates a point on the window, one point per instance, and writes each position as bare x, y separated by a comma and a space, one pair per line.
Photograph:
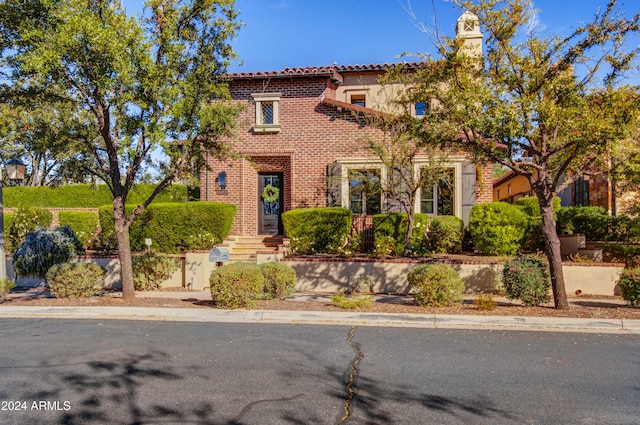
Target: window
439, 198
581, 192
359, 100
267, 111
445, 197
420, 109
365, 194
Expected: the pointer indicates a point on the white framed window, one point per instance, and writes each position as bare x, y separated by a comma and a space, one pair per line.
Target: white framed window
267, 112
362, 181
444, 197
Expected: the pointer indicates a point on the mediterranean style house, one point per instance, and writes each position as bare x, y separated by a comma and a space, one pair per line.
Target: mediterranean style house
301, 132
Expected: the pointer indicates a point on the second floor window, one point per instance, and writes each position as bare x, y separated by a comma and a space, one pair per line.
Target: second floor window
359, 100
267, 112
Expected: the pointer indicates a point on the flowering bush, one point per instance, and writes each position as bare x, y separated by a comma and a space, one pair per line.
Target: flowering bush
25, 221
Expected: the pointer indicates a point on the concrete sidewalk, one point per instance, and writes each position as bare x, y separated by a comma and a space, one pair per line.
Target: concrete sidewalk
623, 326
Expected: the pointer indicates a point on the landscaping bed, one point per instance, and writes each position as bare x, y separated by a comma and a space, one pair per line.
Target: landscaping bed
581, 307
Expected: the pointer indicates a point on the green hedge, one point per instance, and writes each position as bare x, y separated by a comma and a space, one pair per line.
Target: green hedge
596, 225
83, 223
173, 227
498, 228
390, 231
322, 230
84, 196
8, 220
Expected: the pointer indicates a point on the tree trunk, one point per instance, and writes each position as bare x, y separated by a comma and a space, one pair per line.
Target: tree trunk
124, 250
552, 249
407, 240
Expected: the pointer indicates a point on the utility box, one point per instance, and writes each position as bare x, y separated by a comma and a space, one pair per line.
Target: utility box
219, 255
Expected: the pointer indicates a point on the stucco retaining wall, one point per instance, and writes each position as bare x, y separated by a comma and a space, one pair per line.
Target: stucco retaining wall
589, 278
389, 277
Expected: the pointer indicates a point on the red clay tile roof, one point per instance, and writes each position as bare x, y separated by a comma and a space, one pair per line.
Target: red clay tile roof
318, 71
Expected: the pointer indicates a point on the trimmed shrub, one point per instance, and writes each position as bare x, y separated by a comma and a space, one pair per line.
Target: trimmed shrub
75, 280
6, 285
25, 221
321, 230
43, 249
630, 286
446, 233
236, 285
279, 280
83, 223
362, 284
435, 285
173, 227
351, 302
593, 222
84, 195
527, 279
150, 269
497, 228
390, 229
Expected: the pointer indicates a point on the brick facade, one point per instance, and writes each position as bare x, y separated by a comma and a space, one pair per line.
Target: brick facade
313, 135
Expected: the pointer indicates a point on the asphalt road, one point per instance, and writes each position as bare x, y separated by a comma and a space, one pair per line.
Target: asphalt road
140, 372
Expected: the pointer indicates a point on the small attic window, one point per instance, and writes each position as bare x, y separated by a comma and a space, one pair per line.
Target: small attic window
469, 26
359, 100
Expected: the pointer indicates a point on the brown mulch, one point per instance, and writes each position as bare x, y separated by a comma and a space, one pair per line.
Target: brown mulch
602, 308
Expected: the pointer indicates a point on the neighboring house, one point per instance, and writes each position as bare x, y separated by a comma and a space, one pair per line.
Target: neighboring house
589, 190
301, 131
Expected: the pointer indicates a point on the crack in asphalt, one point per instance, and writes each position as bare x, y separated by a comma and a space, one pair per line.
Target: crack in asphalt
351, 374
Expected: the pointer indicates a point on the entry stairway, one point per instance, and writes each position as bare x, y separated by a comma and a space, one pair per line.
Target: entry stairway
246, 248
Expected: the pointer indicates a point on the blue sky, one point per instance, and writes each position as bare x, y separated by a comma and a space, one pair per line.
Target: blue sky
298, 33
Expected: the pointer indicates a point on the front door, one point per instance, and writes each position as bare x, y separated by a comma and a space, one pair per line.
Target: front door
269, 203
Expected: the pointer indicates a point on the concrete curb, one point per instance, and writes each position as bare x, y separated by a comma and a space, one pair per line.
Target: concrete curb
435, 321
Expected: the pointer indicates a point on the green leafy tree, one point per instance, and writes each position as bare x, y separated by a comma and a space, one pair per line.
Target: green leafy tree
411, 147
38, 135
132, 85
547, 107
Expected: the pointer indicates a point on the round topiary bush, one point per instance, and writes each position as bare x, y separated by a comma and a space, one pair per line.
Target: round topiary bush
435, 285
279, 280
497, 228
236, 285
630, 286
527, 279
44, 248
75, 280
